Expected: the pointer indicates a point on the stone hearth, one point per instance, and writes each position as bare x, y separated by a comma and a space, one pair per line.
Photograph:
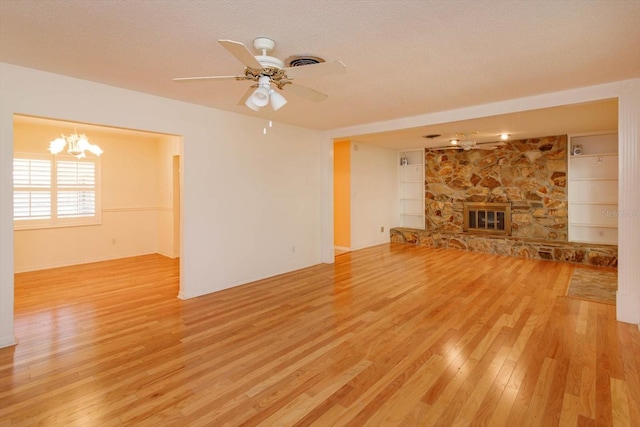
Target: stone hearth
580, 253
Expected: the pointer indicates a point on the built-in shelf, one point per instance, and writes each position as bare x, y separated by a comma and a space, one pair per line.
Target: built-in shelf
594, 155
595, 203
594, 179
594, 226
411, 188
593, 187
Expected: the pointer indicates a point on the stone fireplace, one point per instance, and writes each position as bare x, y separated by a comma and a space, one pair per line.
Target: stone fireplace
529, 175
485, 217
521, 187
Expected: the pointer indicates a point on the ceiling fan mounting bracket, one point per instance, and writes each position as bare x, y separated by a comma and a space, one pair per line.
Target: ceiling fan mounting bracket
264, 44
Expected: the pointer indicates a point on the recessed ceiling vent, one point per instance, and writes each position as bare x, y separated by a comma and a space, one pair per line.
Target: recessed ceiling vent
301, 60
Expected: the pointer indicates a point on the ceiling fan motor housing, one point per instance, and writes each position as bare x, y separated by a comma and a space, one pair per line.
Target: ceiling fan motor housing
269, 61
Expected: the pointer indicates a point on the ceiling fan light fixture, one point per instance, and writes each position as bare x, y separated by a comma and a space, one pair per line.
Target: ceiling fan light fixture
249, 103
277, 100
454, 141
260, 96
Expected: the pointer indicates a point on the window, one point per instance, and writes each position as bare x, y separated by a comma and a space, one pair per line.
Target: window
55, 191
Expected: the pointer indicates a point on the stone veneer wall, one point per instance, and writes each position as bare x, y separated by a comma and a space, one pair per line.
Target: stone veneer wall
530, 174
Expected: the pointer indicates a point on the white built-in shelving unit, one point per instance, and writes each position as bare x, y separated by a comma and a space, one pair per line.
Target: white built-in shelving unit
593, 188
411, 191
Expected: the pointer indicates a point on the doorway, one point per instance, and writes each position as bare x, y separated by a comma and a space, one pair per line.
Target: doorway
342, 197
139, 190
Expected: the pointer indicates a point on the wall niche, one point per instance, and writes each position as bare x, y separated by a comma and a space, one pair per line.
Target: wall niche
530, 174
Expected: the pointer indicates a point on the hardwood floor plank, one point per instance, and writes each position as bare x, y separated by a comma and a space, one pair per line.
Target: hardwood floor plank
620, 402
631, 373
470, 411
390, 335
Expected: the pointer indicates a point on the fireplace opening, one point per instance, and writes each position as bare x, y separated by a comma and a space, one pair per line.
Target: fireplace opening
487, 217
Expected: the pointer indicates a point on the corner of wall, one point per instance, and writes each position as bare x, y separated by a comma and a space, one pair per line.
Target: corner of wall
8, 341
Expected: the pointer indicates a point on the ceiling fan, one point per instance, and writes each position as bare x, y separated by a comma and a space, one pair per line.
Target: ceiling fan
463, 142
270, 73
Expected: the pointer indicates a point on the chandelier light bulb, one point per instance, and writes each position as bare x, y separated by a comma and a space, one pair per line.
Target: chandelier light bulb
57, 145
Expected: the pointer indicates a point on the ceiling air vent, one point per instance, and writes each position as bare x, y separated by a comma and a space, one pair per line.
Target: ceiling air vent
301, 60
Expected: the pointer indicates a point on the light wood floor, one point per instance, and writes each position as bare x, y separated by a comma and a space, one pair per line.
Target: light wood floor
394, 335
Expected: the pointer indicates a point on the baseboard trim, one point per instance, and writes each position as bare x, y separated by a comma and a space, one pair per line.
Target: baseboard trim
342, 248
80, 261
8, 341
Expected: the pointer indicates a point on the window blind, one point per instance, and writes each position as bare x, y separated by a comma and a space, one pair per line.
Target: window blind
50, 191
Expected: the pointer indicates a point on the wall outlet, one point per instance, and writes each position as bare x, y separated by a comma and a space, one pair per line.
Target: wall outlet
382, 229
293, 249
113, 241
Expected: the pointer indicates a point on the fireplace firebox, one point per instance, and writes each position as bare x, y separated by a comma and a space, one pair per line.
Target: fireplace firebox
485, 217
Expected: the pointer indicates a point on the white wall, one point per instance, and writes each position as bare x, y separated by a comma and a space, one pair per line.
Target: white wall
374, 194
168, 147
250, 202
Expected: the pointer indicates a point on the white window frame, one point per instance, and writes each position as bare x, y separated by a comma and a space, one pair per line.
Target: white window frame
54, 221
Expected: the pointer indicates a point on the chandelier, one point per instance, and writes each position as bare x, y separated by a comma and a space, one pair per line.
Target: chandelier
76, 145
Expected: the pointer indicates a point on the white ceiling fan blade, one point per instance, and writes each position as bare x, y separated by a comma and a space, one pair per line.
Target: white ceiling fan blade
247, 94
446, 148
321, 69
241, 53
305, 92
186, 79
485, 147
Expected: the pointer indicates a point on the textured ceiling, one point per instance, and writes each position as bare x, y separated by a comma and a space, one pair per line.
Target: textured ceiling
404, 58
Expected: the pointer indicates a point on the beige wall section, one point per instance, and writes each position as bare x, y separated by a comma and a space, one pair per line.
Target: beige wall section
342, 194
137, 199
